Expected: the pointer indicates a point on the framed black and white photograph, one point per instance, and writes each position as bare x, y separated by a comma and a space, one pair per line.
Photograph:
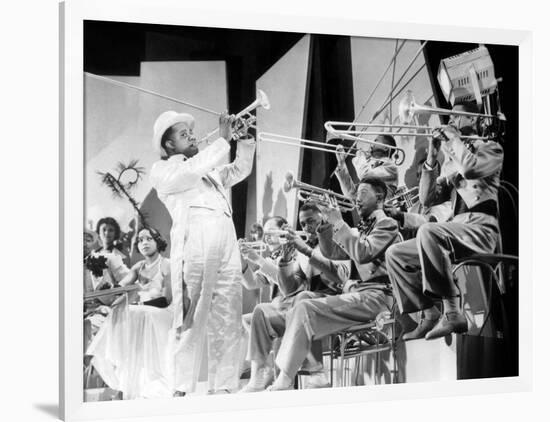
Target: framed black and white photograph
264, 212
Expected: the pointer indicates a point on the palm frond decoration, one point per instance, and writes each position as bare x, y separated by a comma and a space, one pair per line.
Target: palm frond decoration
128, 177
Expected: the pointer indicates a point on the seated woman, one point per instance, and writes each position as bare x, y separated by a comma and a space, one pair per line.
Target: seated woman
108, 265
130, 351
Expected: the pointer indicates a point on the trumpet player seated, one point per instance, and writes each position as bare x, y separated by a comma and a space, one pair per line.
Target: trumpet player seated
376, 162
360, 301
303, 273
420, 269
261, 269
204, 257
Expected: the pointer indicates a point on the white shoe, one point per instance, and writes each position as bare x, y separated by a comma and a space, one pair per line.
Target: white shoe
317, 380
263, 379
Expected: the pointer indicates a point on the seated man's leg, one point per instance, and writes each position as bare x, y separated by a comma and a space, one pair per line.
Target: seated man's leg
314, 319
403, 265
436, 242
268, 323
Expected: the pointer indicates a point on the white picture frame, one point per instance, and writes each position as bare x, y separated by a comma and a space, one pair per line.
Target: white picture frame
73, 13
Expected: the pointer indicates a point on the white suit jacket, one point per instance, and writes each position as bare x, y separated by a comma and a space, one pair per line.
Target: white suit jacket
200, 181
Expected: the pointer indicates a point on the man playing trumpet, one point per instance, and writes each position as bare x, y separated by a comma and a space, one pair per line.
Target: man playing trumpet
205, 260
361, 300
303, 273
420, 269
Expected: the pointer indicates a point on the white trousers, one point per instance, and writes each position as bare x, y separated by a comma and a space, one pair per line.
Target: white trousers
212, 273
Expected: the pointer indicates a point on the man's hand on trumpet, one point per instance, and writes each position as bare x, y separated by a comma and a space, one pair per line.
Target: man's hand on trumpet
295, 240
226, 125
332, 212
249, 253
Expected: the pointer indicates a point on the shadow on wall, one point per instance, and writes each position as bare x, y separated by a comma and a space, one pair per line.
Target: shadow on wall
280, 208
267, 199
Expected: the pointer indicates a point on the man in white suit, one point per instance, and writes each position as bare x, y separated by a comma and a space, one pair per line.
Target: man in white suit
205, 258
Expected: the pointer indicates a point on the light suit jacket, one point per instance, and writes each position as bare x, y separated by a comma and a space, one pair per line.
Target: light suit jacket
418, 215
382, 168
472, 169
299, 272
365, 250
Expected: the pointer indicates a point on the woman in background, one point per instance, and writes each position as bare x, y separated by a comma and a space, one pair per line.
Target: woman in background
130, 349
107, 264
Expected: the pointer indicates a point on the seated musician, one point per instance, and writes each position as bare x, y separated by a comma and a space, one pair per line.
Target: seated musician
303, 273
361, 300
261, 272
420, 269
376, 162
410, 219
130, 349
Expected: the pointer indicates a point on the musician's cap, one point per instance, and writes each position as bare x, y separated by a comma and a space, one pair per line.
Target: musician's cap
165, 121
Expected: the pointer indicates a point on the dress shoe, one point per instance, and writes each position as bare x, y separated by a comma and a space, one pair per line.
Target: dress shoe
423, 327
317, 380
263, 378
450, 322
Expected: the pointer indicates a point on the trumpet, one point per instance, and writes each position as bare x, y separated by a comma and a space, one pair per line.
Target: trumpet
258, 245
357, 135
244, 119
321, 196
403, 198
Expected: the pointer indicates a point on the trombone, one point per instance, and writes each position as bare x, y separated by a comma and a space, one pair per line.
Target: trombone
244, 119
302, 143
356, 135
403, 198
321, 196
408, 109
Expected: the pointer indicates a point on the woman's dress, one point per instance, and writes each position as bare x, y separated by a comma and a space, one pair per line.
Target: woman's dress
130, 351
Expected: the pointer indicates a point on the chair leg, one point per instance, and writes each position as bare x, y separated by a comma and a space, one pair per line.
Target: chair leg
342, 351
331, 345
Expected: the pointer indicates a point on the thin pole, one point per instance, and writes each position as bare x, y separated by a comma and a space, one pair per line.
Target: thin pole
147, 91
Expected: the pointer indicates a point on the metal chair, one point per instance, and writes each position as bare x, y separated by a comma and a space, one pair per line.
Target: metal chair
362, 340
495, 265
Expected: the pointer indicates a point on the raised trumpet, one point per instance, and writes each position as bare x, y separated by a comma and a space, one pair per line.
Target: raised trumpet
321, 196
258, 245
404, 197
244, 119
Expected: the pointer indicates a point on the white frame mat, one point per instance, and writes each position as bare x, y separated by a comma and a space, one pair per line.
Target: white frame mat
169, 12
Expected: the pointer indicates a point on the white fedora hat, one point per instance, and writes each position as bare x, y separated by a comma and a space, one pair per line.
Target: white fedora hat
165, 121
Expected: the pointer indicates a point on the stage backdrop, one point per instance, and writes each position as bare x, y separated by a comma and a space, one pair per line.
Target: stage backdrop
285, 84
119, 126
370, 58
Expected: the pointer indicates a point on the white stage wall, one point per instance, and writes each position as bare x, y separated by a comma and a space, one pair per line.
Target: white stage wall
370, 57
285, 84
119, 125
